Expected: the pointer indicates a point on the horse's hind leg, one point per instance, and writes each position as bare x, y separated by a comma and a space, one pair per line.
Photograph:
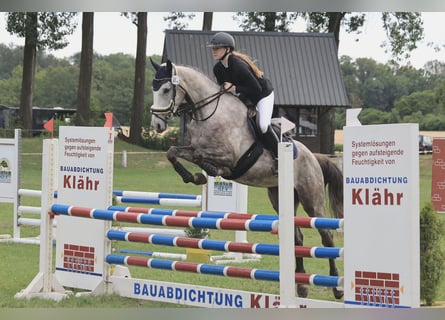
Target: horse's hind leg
328, 241
315, 208
302, 290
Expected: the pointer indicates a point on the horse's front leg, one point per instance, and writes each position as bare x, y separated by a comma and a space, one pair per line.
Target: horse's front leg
185, 153
214, 171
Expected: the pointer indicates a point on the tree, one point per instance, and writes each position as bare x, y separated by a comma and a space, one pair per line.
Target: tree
404, 30
179, 23
421, 101
137, 109
10, 57
57, 86
113, 86
10, 87
178, 20
265, 21
86, 70
40, 30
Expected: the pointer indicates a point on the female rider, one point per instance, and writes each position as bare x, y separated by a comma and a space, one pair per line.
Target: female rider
238, 74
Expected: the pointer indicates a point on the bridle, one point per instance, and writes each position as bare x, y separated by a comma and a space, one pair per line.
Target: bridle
189, 107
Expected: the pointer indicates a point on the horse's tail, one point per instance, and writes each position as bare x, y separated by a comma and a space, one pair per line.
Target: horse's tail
333, 180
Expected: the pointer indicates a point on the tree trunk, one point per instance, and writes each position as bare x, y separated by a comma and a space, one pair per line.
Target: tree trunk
326, 127
185, 119
86, 70
207, 21
29, 69
326, 120
334, 24
137, 110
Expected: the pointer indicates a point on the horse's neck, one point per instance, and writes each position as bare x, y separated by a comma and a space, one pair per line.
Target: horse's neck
224, 110
199, 86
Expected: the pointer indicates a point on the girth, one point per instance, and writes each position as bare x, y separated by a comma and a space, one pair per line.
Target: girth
246, 161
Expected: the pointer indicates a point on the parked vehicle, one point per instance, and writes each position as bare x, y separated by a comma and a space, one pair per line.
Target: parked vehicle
425, 144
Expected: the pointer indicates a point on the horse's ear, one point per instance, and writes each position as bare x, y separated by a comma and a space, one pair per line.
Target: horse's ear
169, 67
154, 64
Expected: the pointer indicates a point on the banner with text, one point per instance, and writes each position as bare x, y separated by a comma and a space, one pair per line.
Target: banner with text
381, 211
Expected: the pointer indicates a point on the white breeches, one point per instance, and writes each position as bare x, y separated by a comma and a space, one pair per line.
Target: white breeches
265, 109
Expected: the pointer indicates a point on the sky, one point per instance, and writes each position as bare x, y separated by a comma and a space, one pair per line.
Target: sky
114, 34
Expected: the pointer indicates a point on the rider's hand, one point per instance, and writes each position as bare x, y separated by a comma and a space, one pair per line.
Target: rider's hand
229, 87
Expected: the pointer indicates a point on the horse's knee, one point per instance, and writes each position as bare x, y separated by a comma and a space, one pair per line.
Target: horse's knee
171, 154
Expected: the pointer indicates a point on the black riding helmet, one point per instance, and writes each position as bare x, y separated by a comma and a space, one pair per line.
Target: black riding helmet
222, 39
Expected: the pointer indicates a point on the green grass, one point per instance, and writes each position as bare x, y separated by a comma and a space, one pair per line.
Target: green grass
149, 172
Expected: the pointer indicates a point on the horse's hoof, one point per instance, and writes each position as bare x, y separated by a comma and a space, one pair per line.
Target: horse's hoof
199, 179
338, 294
302, 291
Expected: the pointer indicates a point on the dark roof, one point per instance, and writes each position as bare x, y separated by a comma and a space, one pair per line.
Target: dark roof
303, 67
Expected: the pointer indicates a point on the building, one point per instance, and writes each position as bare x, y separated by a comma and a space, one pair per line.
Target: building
303, 68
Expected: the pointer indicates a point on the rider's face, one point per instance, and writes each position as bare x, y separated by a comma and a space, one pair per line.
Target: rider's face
218, 52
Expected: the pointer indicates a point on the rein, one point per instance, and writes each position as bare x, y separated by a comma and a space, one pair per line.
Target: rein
192, 107
189, 106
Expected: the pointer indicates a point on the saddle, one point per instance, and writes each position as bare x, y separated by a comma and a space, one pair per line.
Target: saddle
249, 158
271, 139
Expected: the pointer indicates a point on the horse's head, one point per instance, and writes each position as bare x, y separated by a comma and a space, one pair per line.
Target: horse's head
165, 96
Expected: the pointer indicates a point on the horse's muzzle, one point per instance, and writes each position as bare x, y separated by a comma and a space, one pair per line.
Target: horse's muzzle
163, 110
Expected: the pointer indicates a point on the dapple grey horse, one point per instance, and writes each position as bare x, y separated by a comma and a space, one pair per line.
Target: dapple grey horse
219, 135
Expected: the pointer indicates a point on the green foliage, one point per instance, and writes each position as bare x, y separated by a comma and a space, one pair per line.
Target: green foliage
56, 86
392, 94
374, 116
404, 31
10, 57
178, 20
197, 233
265, 21
423, 102
10, 88
397, 92
432, 256
113, 78
50, 30
153, 140
57, 81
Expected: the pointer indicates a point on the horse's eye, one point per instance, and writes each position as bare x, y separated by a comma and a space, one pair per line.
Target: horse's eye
165, 90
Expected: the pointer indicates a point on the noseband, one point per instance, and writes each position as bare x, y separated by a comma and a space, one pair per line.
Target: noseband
189, 106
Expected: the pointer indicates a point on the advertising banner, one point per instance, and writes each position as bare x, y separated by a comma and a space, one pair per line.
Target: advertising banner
85, 173
381, 212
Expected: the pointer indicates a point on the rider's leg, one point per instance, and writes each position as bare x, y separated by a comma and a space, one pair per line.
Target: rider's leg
271, 140
265, 109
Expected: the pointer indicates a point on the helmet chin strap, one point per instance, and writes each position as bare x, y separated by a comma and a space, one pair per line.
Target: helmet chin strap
225, 54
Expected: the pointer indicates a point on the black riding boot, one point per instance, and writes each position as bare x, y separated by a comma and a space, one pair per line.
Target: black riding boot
271, 140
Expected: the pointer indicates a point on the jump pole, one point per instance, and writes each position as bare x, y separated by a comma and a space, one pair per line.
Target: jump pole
51, 285
400, 291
